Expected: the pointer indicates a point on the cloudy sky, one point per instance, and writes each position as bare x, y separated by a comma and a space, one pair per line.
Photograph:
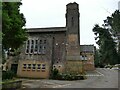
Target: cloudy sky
51, 13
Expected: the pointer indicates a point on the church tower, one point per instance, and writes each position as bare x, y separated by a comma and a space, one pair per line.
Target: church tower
72, 24
73, 40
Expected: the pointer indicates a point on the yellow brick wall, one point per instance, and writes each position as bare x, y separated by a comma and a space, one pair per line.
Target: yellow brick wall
33, 73
89, 63
72, 45
59, 67
74, 66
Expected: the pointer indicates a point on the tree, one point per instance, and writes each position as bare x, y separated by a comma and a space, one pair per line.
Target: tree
108, 54
97, 57
113, 22
12, 22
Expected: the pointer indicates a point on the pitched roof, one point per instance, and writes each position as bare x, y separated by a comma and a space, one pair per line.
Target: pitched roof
87, 48
49, 29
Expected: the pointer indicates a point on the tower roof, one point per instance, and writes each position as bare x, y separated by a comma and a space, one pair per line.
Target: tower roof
73, 5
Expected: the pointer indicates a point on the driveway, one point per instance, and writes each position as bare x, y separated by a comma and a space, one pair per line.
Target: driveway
100, 78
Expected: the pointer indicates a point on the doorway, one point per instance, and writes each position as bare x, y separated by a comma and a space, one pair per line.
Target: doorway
14, 68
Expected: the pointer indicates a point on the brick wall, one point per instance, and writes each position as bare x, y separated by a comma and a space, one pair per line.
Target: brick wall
73, 66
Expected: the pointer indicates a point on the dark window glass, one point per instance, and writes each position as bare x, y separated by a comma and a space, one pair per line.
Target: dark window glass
32, 41
40, 49
36, 46
72, 21
40, 41
29, 66
39, 65
32, 46
34, 66
24, 66
43, 66
44, 41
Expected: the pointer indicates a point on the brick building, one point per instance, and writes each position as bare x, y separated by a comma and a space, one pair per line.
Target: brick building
54, 47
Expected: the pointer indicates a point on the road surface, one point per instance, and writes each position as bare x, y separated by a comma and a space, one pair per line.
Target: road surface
100, 78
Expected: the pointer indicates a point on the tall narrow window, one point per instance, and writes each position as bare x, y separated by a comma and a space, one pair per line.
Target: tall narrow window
40, 42
40, 49
44, 41
42, 46
43, 49
27, 47
36, 47
32, 46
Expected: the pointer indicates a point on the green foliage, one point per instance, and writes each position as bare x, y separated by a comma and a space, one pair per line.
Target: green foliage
107, 53
3, 57
70, 76
113, 22
55, 73
12, 22
97, 58
7, 75
67, 76
107, 46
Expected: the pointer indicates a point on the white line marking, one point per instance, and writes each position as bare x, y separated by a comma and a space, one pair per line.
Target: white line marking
60, 86
47, 82
93, 75
99, 73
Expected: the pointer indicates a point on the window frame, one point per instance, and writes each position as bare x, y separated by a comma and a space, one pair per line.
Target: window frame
24, 66
32, 46
29, 66
33, 66
27, 47
36, 46
43, 66
38, 66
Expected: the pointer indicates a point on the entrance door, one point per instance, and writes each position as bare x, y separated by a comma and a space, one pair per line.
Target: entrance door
14, 68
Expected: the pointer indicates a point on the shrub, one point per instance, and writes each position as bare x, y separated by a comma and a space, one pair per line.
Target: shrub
55, 73
7, 75
70, 77
67, 76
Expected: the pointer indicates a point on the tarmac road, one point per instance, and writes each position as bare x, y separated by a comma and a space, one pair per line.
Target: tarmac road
100, 78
